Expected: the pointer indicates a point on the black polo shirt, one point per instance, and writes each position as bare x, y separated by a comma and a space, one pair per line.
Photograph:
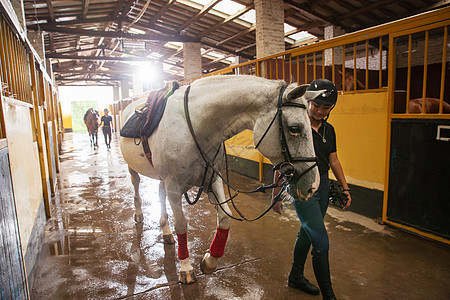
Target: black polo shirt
106, 121
324, 145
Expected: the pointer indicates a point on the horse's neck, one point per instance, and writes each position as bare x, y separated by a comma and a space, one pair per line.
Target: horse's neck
233, 105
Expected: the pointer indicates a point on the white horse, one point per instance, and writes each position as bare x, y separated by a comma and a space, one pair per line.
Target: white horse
220, 107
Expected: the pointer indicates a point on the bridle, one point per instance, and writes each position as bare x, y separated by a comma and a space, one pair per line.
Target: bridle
287, 164
286, 168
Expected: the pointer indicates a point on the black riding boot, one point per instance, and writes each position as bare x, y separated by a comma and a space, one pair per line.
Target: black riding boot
321, 267
296, 278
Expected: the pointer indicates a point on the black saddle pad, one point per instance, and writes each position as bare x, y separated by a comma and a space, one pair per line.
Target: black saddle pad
144, 122
132, 128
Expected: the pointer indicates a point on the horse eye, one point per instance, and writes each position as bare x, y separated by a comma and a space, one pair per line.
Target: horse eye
295, 130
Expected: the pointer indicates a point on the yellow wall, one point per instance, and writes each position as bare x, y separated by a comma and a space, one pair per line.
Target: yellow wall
24, 162
360, 121
241, 145
67, 121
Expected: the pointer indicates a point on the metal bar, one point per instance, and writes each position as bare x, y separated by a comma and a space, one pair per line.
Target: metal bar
55, 129
7, 49
408, 83
269, 62
367, 64
323, 63
3, 59
290, 68
306, 68
276, 68
425, 71
314, 66
391, 87
355, 79
333, 71
40, 137
343, 67
444, 63
380, 70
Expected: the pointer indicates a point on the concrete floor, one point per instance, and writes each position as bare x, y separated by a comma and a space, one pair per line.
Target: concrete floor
94, 250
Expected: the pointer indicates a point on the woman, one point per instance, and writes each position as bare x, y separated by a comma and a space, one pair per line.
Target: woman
107, 123
311, 213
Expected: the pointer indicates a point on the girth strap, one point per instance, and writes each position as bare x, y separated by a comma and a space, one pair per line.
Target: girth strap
146, 147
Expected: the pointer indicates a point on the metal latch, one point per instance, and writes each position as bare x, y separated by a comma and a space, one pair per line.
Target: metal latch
443, 133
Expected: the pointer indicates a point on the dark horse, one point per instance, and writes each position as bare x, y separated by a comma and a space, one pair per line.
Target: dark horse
91, 119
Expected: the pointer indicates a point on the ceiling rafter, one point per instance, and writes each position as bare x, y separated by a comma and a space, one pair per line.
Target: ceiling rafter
120, 29
111, 34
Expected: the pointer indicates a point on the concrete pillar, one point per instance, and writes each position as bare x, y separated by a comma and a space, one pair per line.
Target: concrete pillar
329, 33
37, 40
116, 93
269, 27
158, 78
138, 84
192, 60
125, 89
20, 12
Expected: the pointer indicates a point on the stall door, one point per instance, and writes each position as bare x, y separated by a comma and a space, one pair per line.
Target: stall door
419, 175
12, 275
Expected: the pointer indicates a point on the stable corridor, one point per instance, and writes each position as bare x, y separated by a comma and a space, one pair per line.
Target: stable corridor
94, 250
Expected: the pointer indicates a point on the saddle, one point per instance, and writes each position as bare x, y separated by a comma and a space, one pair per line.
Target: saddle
144, 121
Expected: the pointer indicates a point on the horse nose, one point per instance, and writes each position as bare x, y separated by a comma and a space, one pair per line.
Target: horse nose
316, 183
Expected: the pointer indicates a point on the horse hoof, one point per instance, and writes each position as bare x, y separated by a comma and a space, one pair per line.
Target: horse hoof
204, 265
188, 277
139, 218
168, 239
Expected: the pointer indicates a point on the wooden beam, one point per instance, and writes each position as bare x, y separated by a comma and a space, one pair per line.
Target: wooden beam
107, 72
51, 11
109, 58
200, 14
228, 19
88, 79
242, 33
112, 34
161, 12
85, 8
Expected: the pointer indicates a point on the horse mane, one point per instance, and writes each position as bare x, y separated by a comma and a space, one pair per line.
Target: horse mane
220, 78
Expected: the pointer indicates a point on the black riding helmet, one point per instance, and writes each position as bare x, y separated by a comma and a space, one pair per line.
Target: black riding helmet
329, 94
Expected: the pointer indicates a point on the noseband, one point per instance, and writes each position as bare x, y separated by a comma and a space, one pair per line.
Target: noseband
286, 167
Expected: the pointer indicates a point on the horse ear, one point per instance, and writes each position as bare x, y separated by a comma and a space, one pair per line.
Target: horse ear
297, 92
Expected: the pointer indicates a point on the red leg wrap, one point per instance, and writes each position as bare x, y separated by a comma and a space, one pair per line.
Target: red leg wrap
218, 244
183, 251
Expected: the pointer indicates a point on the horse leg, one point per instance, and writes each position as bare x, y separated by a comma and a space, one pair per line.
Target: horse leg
96, 139
217, 248
187, 273
164, 220
135, 180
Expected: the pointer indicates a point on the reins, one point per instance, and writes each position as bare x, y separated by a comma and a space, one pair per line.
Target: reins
286, 175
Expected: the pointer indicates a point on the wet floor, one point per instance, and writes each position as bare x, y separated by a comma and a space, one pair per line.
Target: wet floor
94, 250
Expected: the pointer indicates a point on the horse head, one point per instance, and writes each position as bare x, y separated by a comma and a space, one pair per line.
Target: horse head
284, 135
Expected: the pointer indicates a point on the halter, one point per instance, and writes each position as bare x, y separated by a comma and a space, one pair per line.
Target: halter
286, 168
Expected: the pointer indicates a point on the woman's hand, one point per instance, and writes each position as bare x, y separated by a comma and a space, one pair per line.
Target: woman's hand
349, 200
